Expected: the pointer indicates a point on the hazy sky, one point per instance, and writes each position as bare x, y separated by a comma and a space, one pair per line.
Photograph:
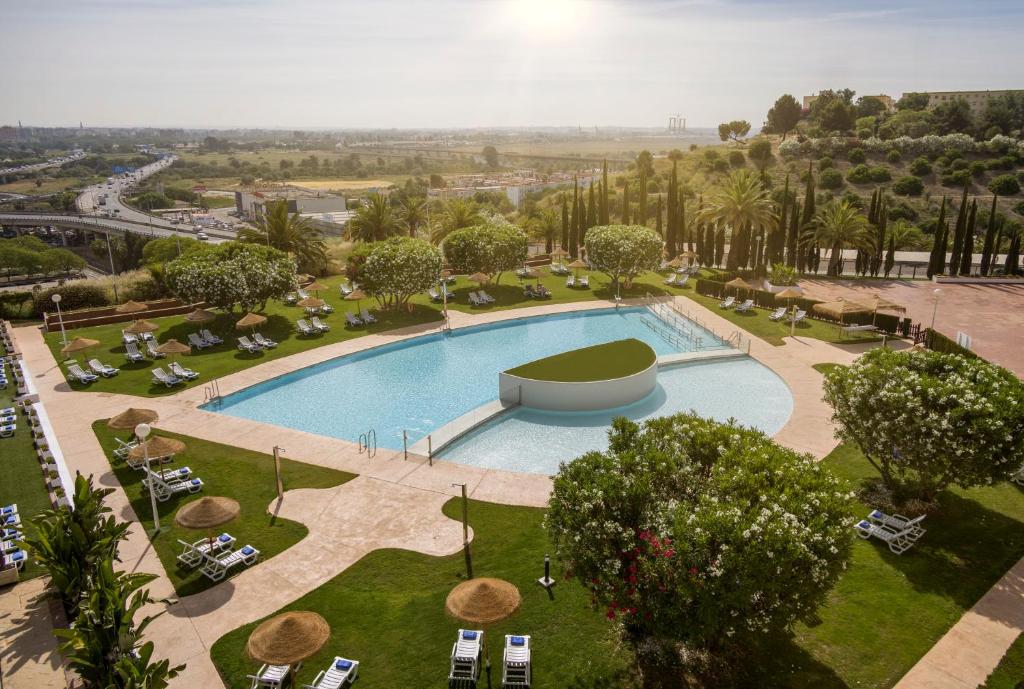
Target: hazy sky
451, 63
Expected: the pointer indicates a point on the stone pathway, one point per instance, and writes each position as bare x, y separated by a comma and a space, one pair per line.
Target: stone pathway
29, 658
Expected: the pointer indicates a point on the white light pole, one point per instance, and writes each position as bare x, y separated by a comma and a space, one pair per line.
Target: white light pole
935, 308
60, 319
142, 432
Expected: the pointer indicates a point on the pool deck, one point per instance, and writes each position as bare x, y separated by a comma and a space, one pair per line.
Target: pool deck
395, 501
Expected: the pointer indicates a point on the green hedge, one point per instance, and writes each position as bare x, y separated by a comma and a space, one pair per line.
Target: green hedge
937, 342
72, 297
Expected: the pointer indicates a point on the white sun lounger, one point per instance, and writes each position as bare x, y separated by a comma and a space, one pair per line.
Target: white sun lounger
778, 314
247, 345
269, 677
1018, 477
516, 665
10, 521
475, 300
727, 303
366, 316
162, 376
17, 559
570, 281
434, 296
102, 369
217, 567
305, 328
81, 376
465, 659
151, 349
165, 489
341, 672
899, 523
745, 306
182, 372
210, 337
671, 280
193, 553
319, 324
263, 341
6, 431
127, 337
585, 281
898, 541
799, 316
486, 297
132, 352
351, 319
198, 341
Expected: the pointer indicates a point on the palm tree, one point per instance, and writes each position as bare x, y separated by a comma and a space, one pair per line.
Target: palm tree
840, 225
456, 214
740, 202
373, 221
412, 213
546, 226
292, 234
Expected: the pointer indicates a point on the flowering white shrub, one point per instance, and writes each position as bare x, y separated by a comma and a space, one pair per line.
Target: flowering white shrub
232, 273
926, 420
789, 149
875, 145
491, 248
623, 250
1000, 144
400, 267
699, 531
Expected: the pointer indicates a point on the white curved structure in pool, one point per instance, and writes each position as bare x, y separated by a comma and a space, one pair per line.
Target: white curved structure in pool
421, 384
532, 440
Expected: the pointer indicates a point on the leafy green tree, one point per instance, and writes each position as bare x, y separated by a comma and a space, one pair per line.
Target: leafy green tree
490, 154
681, 528
868, 106
837, 116
232, 273
62, 260
105, 648
373, 221
167, 249
1004, 185
927, 420
151, 199
400, 267
908, 186
623, 251
71, 544
760, 153
291, 234
455, 214
840, 225
953, 116
784, 116
492, 248
913, 101
733, 131
645, 163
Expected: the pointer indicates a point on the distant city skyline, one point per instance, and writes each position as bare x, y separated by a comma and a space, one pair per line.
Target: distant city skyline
452, 64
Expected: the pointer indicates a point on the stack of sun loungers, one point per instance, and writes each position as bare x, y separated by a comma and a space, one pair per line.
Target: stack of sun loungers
896, 531
10, 554
8, 422
467, 652
341, 672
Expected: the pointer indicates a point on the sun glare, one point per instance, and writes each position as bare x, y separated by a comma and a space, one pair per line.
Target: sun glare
546, 18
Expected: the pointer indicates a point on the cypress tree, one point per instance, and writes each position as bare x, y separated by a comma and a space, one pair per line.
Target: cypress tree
673, 213
603, 214
990, 236
936, 259
591, 215
890, 255
1011, 266
698, 229
807, 221
778, 237
581, 222
719, 246
641, 218
657, 219
565, 223
958, 235
574, 220
685, 230
998, 242
625, 203
883, 220
967, 250
709, 245
943, 248
791, 238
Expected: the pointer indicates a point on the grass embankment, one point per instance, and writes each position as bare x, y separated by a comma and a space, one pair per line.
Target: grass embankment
23, 481
887, 610
600, 362
246, 476
136, 379
825, 368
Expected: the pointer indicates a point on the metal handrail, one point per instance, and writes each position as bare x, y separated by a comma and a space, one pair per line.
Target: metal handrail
364, 443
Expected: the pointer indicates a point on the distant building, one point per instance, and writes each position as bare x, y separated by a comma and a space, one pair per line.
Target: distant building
327, 213
978, 100
515, 185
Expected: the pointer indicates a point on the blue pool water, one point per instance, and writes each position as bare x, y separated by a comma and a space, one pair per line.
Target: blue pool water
420, 384
536, 441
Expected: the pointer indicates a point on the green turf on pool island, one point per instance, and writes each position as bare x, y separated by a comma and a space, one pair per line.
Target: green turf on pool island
600, 362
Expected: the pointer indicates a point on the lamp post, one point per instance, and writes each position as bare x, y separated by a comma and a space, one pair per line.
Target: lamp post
60, 319
465, 530
935, 308
142, 432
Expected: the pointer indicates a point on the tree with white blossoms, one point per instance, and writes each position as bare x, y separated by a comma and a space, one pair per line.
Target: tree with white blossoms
698, 535
232, 273
400, 267
492, 248
926, 420
623, 251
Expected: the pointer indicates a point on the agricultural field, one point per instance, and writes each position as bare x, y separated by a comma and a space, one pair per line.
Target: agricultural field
614, 147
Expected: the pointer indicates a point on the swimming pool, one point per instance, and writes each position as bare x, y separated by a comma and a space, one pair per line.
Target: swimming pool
536, 441
423, 383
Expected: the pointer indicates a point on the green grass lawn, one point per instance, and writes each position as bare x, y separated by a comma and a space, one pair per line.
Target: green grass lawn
387, 611
23, 482
884, 614
1010, 673
616, 359
825, 368
246, 476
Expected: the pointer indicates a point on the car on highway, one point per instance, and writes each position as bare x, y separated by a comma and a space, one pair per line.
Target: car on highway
202, 236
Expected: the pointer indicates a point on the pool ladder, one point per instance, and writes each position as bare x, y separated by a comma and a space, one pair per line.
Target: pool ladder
211, 392
368, 443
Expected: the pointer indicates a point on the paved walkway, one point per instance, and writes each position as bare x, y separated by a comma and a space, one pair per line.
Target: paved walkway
28, 650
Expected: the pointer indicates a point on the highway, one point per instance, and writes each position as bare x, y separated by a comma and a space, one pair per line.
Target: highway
36, 167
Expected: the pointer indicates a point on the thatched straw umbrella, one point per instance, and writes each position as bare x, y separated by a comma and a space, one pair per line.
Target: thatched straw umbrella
250, 320
130, 418
156, 447
288, 638
312, 303
131, 307
840, 309
356, 295
200, 316
483, 601
207, 513
530, 274
877, 302
315, 287
79, 344
480, 278
739, 284
173, 347
142, 327
576, 265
